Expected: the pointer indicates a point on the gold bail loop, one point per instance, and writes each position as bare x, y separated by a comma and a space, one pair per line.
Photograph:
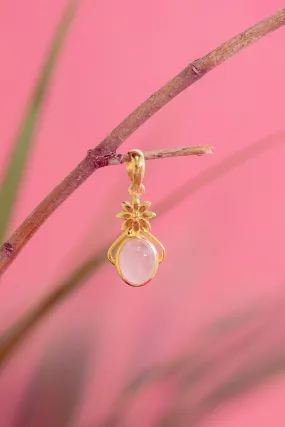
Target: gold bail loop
136, 170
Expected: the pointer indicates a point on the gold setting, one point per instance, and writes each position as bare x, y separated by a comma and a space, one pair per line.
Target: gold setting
136, 216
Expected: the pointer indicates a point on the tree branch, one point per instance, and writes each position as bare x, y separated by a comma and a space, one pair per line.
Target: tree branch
104, 152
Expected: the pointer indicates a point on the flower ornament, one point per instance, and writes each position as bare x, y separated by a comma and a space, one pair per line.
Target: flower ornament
136, 216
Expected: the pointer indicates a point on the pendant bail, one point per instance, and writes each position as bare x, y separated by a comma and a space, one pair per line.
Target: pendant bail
136, 170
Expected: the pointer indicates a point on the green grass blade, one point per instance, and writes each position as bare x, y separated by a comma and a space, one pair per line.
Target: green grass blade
23, 141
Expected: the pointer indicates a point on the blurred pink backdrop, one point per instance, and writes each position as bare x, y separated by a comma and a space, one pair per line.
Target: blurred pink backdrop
225, 243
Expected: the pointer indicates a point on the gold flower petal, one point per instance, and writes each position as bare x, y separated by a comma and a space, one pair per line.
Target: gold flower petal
127, 224
127, 207
144, 207
136, 225
123, 215
148, 215
144, 224
136, 204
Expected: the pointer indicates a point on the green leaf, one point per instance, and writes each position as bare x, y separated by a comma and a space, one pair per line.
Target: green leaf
23, 141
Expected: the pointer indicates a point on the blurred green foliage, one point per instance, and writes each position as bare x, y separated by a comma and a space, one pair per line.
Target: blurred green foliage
21, 147
56, 386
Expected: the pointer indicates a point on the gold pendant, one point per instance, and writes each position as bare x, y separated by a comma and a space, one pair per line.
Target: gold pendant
134, 252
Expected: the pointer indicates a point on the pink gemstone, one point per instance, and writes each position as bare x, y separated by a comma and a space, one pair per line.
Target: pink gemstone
137, 261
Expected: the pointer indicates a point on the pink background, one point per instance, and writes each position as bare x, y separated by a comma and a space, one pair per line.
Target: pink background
225, 242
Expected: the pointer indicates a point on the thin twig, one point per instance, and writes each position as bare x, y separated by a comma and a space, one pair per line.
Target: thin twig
197, 150
102, 154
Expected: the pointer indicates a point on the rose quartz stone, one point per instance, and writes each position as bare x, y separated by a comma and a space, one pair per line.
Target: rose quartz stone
137, 261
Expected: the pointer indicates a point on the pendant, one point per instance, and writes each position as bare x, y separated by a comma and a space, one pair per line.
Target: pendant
136, 253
